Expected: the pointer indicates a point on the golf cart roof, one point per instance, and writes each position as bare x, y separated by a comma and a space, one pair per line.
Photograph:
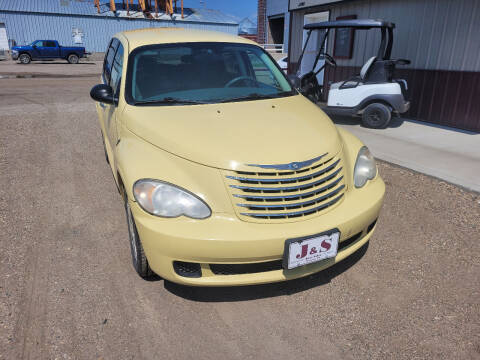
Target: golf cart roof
386, 28
354, 24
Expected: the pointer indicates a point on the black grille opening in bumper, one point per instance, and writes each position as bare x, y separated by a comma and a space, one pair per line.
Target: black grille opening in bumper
193, 270
371, 226
238, 269
347, 242
187, 269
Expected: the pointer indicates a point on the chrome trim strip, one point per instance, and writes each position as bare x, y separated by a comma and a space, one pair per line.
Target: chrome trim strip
298, 187
282, 179
294, 196
286, 206
318, 208
290, 166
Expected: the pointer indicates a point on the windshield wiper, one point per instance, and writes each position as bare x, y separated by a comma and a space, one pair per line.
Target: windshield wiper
256, 96
169, 100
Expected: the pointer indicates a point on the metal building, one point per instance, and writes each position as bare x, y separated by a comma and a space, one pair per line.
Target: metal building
278, 22
440, 37
78, 22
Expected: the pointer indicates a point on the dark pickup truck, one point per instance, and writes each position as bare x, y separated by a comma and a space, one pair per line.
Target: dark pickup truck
47, 50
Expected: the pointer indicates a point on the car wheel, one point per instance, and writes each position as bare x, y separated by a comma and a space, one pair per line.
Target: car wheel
73, 59
376, 116
105, 149
139, 260
25, 59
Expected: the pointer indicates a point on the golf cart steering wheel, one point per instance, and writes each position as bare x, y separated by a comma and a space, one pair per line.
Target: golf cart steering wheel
239, 78
330, 60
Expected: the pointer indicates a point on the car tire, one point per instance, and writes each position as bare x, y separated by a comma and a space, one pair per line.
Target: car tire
376, 116
139, 260
105, 150
24, 59
73, 59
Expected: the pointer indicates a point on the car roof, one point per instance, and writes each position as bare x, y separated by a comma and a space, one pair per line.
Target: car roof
169, 35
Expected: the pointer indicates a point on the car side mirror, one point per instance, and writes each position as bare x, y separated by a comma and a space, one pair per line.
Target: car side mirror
34, 46
295, 80
103, 93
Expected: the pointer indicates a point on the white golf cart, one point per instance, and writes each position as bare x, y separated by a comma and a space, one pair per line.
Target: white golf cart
373, 94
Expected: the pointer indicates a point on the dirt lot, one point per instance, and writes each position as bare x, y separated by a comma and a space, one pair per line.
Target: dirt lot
50, 68
68, 290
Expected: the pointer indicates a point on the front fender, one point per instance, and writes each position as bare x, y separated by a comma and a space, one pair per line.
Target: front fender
137, 159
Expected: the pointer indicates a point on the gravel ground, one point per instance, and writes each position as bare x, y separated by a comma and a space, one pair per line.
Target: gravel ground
50, 68
68, 290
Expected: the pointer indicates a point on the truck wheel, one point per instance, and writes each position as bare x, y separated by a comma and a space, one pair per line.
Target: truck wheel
25, 59
376, 116
73, 59
139, 260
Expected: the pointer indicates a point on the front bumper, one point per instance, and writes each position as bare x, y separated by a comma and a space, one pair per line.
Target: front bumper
14, 55
224, 239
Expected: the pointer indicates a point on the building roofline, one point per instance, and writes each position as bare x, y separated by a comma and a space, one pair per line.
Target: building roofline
100, 16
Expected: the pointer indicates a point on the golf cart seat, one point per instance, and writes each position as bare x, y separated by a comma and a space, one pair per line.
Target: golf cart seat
372, 72
355, 80
366, 67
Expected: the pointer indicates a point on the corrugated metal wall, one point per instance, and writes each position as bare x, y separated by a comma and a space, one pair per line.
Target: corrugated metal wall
296, 36
27, 27
440, 37
434, 34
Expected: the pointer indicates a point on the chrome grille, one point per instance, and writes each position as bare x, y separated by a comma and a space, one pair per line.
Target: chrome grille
275, 195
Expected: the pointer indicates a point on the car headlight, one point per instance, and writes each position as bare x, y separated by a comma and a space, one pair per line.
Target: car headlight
365, 167
14, 52
166, 200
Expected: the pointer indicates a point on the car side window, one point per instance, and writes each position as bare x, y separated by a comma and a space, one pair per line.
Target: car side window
50, 44
107, 65
39, 44
117, 66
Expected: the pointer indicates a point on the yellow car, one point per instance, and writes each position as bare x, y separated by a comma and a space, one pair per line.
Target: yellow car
229, 175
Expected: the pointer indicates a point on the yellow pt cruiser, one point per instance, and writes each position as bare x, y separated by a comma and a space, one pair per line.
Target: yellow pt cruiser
228, 174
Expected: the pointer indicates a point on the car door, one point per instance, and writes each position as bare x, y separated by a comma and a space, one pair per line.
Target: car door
112, 76
50, 49
37, 49
43, 49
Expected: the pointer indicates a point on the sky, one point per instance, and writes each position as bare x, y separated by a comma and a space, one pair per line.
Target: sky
238, 8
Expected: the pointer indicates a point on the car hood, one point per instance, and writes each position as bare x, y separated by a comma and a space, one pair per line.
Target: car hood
233, 135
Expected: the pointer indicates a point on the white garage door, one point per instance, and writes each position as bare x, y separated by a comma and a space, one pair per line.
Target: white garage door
3, 37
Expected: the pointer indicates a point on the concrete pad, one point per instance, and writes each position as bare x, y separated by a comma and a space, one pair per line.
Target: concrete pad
449, 154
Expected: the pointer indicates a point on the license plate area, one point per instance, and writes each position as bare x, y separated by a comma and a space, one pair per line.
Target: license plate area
310, 249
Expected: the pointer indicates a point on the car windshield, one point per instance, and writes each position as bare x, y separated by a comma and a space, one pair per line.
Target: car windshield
189, 73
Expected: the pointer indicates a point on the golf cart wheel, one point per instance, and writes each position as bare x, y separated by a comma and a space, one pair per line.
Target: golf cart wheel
139, 260
73, 59
376, 116
25, 59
